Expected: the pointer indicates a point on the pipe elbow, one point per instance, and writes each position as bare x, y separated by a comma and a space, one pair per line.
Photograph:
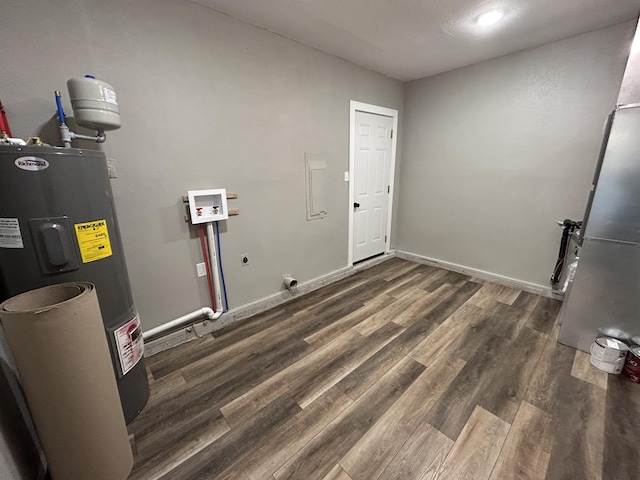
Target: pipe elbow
210, 313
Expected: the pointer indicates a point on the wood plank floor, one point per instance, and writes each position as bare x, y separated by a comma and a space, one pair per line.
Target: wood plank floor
402, 371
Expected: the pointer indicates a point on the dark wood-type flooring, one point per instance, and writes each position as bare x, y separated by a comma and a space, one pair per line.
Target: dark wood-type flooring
402, 371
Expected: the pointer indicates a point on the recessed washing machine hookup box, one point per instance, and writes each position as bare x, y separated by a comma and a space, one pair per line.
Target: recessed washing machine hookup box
208, 205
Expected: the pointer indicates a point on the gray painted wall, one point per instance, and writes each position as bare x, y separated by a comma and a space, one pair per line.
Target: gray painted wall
206, 102
495, 153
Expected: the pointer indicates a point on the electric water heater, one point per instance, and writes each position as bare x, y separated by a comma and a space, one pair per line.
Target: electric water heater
58, 224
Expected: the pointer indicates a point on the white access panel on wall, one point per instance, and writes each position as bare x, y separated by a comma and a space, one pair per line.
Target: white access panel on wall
316, 186
208, 205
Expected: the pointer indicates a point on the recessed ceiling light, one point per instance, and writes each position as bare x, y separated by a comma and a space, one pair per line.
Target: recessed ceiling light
490, 17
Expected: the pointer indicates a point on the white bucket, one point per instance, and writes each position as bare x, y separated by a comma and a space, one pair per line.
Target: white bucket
608, 354
609, 349
608, 367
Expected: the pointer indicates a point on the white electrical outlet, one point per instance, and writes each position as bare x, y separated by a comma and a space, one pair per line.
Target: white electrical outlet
202, 269
346, 176
111, 166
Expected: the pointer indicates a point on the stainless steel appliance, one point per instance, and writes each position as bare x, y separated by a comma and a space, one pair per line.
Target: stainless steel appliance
605, 295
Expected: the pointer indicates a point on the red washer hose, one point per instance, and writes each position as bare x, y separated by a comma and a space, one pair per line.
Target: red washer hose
4, 123
205, 251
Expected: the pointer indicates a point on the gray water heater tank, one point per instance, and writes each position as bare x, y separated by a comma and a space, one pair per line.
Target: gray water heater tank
58, 224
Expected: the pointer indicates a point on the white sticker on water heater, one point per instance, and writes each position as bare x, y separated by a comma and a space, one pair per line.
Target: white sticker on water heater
130, 344
10, 235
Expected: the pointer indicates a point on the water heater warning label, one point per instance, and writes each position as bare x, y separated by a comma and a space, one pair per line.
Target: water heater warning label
93, 240
10, 235
130, 344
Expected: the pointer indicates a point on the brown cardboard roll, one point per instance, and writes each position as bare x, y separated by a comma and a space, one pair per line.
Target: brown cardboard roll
57, 339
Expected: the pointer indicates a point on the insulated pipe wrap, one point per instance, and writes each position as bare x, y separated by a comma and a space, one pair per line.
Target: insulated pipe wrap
57, 338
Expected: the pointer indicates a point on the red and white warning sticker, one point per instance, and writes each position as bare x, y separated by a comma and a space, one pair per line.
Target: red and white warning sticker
130, 344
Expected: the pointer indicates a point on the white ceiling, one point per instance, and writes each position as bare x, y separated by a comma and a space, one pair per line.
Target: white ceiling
409, 39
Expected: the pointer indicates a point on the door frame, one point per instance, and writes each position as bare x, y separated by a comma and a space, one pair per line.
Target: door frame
377, 110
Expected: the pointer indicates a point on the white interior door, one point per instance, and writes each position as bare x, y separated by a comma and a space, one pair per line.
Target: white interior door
372, 185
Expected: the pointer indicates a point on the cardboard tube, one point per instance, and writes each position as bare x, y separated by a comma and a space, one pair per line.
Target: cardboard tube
57, 338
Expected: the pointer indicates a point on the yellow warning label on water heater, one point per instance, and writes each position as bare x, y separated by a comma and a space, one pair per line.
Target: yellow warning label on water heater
93, 240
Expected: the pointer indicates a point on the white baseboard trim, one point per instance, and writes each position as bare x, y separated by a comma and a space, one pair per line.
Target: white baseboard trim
234, 315
491, 277
206, 327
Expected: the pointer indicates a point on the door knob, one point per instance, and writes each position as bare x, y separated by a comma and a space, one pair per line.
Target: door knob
356, 205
